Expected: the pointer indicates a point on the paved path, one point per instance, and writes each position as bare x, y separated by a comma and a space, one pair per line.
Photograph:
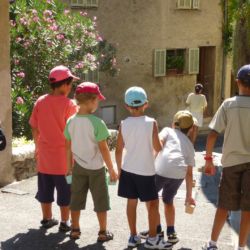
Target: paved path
20, 216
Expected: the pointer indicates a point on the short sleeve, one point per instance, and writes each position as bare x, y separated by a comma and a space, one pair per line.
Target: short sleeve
66, 131
190, 157
72, 109
34, 116
101, 130
219, 120
205, 101
163, 134
189, 99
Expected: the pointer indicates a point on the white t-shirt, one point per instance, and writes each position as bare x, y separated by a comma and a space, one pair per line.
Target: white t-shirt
233, 117
197, 103
177, 154
84, 132
137, 134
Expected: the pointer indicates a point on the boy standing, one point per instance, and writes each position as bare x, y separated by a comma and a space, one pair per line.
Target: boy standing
174, 164
86, 144
233, 117
48, 120
138, 135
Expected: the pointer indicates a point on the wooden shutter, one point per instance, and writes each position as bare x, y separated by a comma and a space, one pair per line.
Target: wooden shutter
184, 4
194, 61
160, 62
92, 76
196, 4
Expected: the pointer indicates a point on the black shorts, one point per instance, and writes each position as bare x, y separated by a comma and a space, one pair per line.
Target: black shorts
170, 187
133, 186
46, 187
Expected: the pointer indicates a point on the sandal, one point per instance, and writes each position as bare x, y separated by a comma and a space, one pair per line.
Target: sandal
104, 236
75, 234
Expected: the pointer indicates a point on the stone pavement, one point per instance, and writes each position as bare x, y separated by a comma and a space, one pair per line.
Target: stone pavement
20, 216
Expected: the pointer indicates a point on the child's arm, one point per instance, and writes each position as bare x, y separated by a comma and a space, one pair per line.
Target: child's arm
103, 146
69, 157
35, 135
156, 140
119, 151
209, 166
189, 186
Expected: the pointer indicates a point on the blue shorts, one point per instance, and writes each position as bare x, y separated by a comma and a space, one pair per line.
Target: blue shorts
170, 187
133, 186
46, 187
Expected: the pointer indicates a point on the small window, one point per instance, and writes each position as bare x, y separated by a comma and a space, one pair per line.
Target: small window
188, 4
92, 76
84, 3
109, 114
175, 61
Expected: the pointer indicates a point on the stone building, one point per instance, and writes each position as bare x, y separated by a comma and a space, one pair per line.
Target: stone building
165, 46
6, 172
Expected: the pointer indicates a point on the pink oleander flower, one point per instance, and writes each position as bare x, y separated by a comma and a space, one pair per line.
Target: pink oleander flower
94, 18
79, 65
78, 25
53, 27
113, 61
49, 43
16, 61
34, 12
36, 19
12, 23
19, 100
83, 13
21, 74
99, 38
60, 37
47, 13
49, 1
23, 21
66, 12
18, 39
49, 20
26, 44
91, 57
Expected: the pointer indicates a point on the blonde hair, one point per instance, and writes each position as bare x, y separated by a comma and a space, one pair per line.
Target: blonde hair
85, 97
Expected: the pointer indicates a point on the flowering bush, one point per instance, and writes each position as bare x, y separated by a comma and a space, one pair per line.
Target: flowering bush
45, 34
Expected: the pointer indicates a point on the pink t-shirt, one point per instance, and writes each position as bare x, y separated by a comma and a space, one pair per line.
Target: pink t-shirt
49, 116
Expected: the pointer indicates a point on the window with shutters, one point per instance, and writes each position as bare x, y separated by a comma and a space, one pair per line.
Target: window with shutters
188, 4
169, 62
84, 3
92, 76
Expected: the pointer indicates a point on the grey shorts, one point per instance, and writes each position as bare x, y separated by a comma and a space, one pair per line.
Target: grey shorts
170, 187
95, 181
234, 189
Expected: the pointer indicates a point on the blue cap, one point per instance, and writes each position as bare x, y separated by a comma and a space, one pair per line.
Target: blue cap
135, 97
244, 74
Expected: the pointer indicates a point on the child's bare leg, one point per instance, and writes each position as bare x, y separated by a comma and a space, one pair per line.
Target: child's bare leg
75, 217
102, 218
219, 221
131, 215
170, 214
47, 210
64, 213
244, 228
153, 217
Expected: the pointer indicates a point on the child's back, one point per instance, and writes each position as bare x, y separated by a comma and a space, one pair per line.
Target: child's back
137, 135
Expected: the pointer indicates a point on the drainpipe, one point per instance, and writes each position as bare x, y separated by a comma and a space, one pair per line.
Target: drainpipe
224, 60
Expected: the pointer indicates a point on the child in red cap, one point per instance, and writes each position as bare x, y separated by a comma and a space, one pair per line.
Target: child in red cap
86, 137
48, 120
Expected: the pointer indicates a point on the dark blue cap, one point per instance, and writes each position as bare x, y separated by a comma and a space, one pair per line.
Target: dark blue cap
244, 73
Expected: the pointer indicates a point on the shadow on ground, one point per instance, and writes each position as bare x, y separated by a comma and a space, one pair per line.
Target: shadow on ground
38, 239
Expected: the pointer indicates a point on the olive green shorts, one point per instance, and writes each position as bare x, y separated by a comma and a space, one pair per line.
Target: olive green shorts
84, 180
234, 190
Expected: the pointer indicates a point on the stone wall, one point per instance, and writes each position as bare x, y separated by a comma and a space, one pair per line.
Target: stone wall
6, 172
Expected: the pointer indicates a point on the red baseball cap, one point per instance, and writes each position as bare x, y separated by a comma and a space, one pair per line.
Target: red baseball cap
60, 73
89, 87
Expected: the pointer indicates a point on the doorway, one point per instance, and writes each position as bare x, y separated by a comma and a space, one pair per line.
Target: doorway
206, 75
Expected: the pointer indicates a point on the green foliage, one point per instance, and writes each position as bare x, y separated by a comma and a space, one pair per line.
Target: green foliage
175, 62
45, 34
